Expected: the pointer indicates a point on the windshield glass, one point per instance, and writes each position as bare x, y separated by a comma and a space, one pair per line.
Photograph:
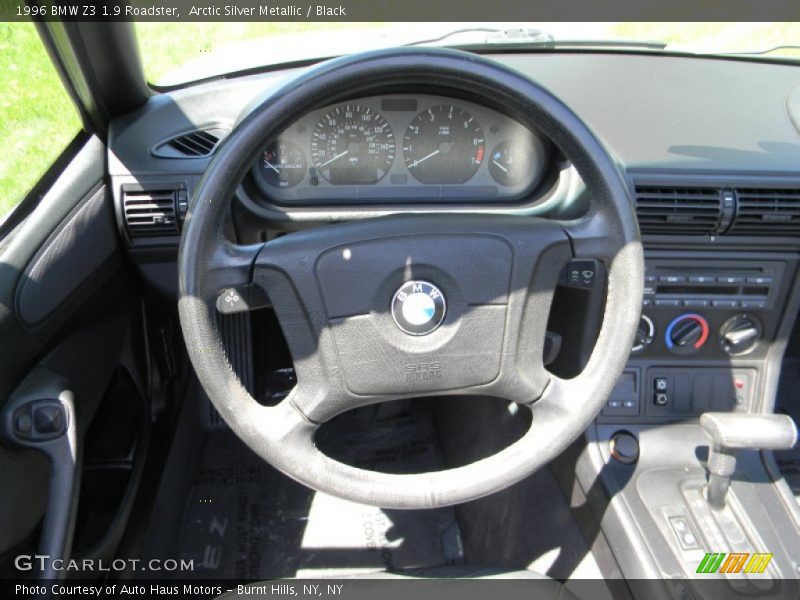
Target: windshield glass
175, 53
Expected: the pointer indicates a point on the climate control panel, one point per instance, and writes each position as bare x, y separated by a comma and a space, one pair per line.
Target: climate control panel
687, 333
704, 335
711, 310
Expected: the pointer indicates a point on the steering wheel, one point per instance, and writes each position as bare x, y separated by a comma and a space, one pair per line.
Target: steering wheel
412, 305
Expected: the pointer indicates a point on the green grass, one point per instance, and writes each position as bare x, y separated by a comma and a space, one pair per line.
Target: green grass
38, 118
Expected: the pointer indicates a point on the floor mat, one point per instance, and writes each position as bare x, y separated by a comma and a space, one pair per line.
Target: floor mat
789, 404
244, 520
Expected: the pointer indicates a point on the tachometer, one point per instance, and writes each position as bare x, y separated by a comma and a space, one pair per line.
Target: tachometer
443, 144
283, 164
352, 144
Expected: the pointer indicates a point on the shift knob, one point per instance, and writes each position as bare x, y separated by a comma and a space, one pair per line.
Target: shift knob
730, 432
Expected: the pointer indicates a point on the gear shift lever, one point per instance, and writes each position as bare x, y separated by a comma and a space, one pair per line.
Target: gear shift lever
730, 432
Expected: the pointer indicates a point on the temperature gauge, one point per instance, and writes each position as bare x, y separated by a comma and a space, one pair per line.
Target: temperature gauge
283, 164
511, 163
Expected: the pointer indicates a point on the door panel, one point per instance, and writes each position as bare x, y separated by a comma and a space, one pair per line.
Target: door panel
68, 303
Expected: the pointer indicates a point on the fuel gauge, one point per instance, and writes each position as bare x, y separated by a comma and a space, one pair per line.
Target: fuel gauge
283, 164
510, 163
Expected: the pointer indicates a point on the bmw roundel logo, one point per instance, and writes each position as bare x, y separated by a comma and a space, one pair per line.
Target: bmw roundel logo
418, 307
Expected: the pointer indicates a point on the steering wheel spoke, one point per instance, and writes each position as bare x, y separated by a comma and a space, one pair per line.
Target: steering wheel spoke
228, 266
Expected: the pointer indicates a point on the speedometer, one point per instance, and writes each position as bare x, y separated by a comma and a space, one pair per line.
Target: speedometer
352, 144
443, 144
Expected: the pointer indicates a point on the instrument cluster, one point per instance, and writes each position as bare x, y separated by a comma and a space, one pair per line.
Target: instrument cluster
401, 149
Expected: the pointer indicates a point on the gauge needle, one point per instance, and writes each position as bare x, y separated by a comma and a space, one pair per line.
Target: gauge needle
273, 167
499, 166
423, 159
330, 160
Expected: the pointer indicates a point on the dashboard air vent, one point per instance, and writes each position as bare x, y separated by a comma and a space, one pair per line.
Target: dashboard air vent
767, 211
194, 144
153, 211
678, 210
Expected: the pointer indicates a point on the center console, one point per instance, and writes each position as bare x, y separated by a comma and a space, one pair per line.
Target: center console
710, 340
706, 330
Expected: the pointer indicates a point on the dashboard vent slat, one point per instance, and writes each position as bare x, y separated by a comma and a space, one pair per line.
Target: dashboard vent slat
150, 212
200, 143
678, 210
767, 211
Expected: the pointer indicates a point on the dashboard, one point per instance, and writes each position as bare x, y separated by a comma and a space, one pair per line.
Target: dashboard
716, 192
397, 148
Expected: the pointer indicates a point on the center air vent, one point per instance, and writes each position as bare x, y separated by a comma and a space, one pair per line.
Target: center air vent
767, 211
678, 210
194, 144
153, 211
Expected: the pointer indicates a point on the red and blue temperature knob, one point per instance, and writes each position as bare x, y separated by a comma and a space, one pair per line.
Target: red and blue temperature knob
686, 333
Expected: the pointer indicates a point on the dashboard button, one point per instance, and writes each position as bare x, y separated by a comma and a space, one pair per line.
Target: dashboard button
763, 279
672, 278
696, 303
756, 303
724, 304
731, 279
702, 279
667, 302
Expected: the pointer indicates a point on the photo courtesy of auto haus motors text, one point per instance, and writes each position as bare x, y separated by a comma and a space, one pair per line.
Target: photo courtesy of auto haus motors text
183, 591
421, 299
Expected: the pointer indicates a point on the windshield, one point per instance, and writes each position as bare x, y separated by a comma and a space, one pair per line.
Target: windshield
175, 53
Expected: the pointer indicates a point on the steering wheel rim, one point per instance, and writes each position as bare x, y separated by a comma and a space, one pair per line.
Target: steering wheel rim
288, 270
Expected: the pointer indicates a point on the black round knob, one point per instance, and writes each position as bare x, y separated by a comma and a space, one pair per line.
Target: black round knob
687, 333
739, 334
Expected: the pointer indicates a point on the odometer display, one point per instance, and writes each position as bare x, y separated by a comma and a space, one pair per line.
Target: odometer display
352, 145
443, 145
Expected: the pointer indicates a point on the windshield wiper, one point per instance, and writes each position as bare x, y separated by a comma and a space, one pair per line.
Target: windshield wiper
522, 38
